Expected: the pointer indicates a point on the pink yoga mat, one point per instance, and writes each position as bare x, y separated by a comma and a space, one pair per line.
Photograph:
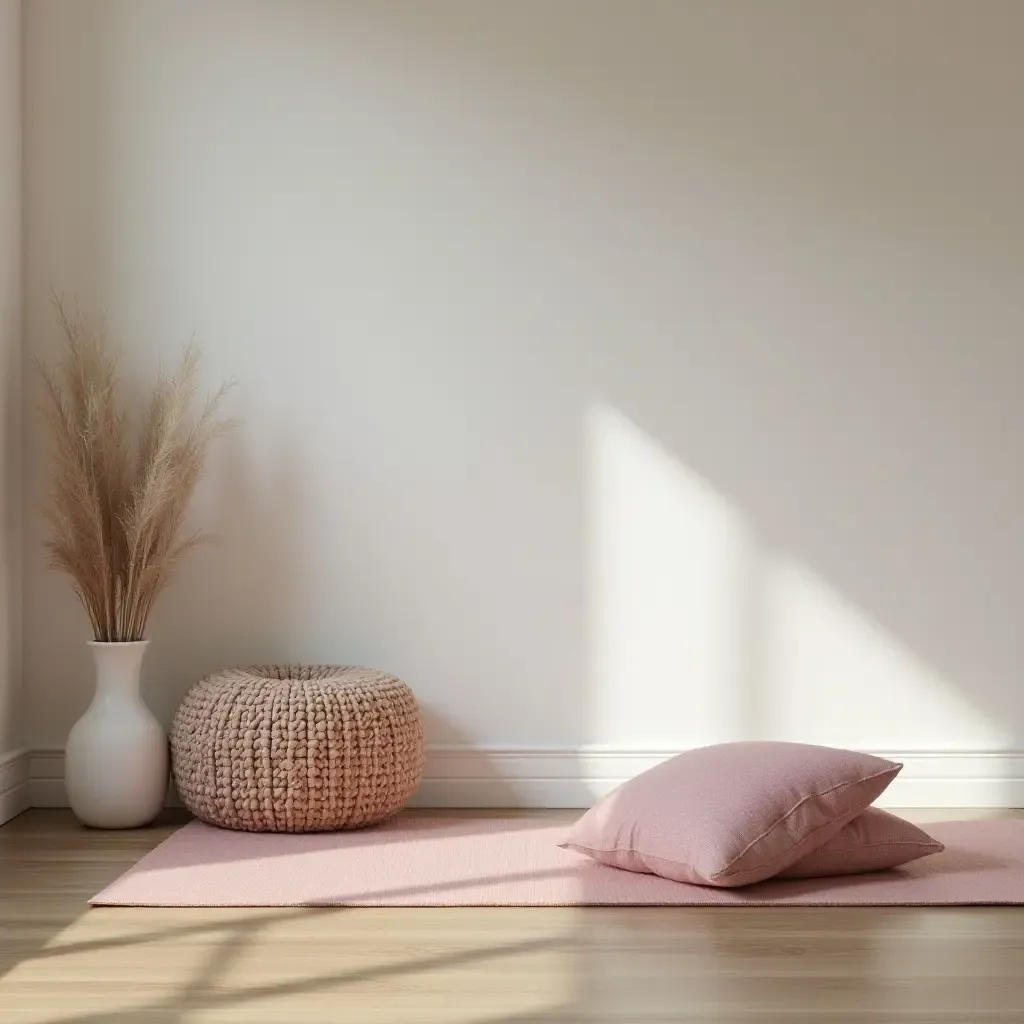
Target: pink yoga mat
415, 861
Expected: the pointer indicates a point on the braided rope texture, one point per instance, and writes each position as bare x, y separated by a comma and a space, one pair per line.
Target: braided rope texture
297, 748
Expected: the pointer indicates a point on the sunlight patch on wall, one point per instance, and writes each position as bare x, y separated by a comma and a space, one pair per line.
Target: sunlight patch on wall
837, 677
698, 633
666, 560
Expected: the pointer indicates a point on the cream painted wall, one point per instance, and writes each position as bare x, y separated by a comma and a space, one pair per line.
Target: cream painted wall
637, 375
11, 737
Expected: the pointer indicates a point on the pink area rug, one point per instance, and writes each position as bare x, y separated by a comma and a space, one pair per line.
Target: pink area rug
415, 861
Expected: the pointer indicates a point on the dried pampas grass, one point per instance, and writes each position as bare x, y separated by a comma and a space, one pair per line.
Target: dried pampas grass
117, 510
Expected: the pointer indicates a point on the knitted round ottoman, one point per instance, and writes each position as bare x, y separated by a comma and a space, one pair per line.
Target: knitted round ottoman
288, 748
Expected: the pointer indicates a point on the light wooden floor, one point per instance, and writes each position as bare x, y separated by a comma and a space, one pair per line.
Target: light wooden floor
62, 962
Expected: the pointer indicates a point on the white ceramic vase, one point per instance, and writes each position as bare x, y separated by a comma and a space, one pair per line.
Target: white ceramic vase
116, 760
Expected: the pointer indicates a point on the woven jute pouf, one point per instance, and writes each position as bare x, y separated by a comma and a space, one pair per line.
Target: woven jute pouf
290, 748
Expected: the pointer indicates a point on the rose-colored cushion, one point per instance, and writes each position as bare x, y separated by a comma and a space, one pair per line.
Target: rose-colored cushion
873, 841
731, 814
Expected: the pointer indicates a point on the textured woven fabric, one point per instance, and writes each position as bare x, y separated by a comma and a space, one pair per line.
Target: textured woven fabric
873, 841
731, 814
451, 861
285, 748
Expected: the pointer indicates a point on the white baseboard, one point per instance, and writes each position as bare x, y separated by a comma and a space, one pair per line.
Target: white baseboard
537, 777
14, 786
461, 777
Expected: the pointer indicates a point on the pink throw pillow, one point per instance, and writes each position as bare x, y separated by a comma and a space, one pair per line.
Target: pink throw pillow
873, 841
731, 814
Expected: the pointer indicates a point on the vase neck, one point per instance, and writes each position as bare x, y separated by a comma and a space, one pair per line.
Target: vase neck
118, 667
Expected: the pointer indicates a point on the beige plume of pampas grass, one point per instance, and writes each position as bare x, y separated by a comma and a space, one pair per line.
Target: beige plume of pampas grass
117, 509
